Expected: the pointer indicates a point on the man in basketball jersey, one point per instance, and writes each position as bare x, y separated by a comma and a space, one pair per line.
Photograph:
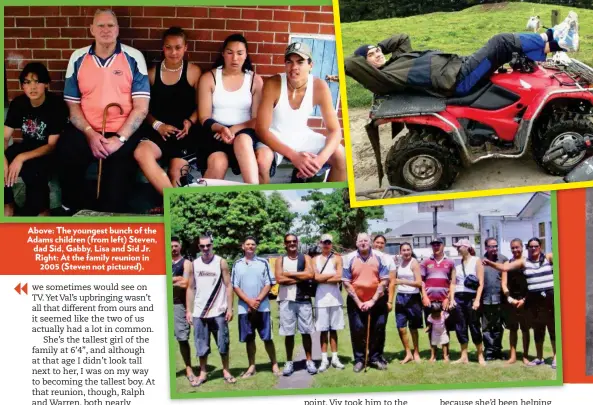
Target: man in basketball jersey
366, 278
100, 74
287, 103
181, 273
293, 273
210, 307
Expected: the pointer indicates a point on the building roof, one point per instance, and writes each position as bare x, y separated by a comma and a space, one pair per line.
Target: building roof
424, 227
535, 203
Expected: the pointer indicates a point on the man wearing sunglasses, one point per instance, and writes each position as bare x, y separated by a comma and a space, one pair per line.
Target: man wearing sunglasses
252, 281
492, 329
294, 273
210, 307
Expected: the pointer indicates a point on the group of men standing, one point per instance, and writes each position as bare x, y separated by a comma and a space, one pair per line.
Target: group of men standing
310, 300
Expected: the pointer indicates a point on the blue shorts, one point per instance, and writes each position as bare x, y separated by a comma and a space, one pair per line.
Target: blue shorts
219, 327
255, 320
408, 311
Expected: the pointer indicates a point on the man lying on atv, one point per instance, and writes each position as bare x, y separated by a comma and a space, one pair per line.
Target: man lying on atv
450, 74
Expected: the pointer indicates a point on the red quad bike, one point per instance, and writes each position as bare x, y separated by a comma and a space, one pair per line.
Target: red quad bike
546, 104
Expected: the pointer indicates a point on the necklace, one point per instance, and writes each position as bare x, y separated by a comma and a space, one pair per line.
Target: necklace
294, 89
165, 68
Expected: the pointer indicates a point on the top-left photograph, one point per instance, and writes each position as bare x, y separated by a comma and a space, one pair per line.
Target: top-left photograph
107, 107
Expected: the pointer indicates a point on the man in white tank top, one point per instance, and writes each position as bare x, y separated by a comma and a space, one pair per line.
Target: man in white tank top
288, 101
210, 307
293, 273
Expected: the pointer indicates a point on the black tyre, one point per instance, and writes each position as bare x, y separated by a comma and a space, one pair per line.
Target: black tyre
423, 160
557, 129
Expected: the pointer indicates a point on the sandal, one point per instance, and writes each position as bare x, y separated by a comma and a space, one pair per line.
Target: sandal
229, 380
248, 374
196, 382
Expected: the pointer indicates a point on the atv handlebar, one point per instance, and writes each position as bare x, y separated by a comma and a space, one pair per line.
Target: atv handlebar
569, 147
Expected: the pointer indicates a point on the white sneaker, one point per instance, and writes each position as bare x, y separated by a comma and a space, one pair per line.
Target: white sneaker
336, 363
534, 23
567, 32
311, 369
323, 366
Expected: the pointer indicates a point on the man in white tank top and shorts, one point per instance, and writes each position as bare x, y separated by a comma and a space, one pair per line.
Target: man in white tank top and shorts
328, 301
210, 307
288, 101
293, 273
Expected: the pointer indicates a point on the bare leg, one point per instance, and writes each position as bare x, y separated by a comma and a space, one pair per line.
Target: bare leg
264, 157
289, 345
271, 350
243, 147
225, 366
146, 154
218, 164
480, 349
403, 335
338, 165
464, 358
414, 333
251, 356
333, 341
307, 345
433, 354
175, 167
44, 213
323, 342
526, 341
513, 338
446, 353
185, 354
9, 210
203, 369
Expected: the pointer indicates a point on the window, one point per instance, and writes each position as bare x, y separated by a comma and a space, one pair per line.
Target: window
392, 248
458, 238
421, 241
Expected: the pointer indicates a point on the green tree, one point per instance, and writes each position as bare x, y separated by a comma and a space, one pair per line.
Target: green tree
230, 217
331, 213
467, 225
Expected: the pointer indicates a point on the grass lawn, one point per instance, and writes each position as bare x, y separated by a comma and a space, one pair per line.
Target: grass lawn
461, 32
396, 375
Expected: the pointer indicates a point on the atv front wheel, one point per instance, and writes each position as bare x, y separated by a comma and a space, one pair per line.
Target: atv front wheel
422, 160
553, 134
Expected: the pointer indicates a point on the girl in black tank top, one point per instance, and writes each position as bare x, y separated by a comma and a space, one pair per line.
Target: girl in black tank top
174, 103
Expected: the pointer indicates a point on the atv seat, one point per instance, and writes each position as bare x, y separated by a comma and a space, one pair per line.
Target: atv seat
470, 98
405, 104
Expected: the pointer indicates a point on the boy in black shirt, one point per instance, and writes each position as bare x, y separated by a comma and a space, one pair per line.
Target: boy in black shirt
40, 116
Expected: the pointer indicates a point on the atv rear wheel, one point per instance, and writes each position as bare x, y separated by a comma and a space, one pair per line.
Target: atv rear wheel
422, 160
560, 127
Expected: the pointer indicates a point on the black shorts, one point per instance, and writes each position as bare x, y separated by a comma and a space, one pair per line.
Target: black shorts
207, 145
173, 148
515, 318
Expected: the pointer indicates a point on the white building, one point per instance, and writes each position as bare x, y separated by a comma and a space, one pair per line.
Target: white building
418, 233
534, 219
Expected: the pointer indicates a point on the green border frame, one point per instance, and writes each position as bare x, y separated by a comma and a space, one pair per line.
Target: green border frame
344, 390
125, 3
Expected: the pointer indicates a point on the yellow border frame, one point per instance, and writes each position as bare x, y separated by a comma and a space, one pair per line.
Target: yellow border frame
415, 198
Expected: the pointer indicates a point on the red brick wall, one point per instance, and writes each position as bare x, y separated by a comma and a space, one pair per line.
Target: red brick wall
50, 34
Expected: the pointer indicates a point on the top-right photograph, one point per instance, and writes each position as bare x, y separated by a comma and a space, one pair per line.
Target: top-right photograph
453, 99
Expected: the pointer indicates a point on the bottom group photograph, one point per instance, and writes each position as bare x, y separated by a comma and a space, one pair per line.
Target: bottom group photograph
275, 290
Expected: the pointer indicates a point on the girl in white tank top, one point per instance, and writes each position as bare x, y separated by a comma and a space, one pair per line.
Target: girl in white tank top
406, 273
462, 271
232, 107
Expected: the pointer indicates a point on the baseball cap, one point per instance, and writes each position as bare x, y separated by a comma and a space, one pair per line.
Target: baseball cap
463, 242
434, 241
363, 50
326, 236
299, 48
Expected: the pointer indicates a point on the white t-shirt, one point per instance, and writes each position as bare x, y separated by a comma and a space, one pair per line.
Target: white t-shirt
328, 294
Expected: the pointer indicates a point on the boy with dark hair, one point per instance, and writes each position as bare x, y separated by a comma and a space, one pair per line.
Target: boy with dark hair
40, 116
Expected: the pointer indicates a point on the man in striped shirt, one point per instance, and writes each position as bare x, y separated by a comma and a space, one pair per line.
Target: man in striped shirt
100, 74
210, 307
438, 274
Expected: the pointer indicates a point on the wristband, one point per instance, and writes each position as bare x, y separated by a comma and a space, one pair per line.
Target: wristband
510, 300
209, 123
87, 128
156, 125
